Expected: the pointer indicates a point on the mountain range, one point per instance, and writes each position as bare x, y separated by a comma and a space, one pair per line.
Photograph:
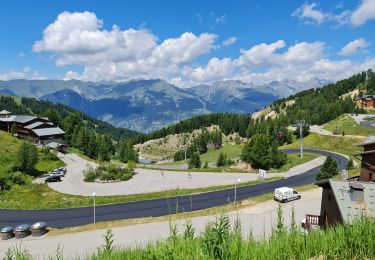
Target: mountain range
147, 105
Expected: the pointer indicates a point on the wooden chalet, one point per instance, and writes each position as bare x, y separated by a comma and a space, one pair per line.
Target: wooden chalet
366, 102
343, 201
38, 129
368, 159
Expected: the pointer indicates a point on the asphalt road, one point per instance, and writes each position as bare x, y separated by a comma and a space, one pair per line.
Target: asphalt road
60, 218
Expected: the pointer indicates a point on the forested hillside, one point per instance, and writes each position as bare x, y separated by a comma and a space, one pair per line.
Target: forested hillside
228, 123
318, 106
91, 136
31, 106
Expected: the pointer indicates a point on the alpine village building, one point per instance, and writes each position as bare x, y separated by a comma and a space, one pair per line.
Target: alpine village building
40, 130
345, 200
365, 102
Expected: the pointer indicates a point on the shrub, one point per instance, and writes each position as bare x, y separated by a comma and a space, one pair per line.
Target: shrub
27, 155
108, 173
195, 161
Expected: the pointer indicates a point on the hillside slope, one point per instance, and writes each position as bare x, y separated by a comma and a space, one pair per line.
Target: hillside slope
31, 106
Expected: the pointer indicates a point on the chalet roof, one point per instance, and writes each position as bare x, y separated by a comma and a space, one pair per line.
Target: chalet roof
367, 97
5, 112
48, 131
23, 118
7, 119
36, 124
354, 199
370, 140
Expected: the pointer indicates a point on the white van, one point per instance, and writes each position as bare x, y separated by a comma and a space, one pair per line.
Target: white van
285, 194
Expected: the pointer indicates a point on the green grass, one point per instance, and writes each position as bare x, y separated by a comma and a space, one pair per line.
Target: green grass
343, 145
295, 159
232, 151
48, 165
222, 240
349, 126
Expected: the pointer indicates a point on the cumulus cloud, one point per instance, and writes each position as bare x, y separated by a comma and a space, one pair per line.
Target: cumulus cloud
363, 13
216, 69
353, 47
79, 38
25, 73
309, 14
229, 41
118, 54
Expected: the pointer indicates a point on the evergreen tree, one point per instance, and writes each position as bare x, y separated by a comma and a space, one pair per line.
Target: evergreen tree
195, 161
27, 156
328, 169
205, 165
53, 116
222, 160
126, 152
261, 153
13, 129
349, 165
256, 152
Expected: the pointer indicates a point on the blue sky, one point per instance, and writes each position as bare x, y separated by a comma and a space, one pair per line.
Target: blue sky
186, 42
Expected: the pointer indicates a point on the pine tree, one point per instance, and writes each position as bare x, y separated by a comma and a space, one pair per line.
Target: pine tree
349, 165
53, 116
195, 161
222, 160
328, 169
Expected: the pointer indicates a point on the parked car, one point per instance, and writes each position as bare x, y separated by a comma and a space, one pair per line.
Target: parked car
285, 194
53, 178
54, 173
63, 169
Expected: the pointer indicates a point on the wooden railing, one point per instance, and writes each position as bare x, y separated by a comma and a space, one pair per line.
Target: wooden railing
312, 220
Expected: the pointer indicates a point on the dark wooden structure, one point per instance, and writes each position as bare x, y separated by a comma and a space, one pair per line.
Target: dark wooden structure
344, 201
368, 160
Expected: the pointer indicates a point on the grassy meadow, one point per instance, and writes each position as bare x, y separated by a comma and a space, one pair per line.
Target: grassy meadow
349, 126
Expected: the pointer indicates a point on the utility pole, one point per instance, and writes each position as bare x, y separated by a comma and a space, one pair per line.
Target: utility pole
301, 124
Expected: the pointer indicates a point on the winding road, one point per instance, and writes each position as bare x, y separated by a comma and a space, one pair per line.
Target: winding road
60, 218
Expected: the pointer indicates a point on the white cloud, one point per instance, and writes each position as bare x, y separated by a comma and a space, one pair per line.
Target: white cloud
353, 47
221, 19
116, 54
364, 12
25, 73
309, 14
12, 74
216, 69
79, 38
229, 41
261, 54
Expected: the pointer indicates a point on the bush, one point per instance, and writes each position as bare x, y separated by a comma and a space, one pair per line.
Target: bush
91, 175
108, 173
27, 156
